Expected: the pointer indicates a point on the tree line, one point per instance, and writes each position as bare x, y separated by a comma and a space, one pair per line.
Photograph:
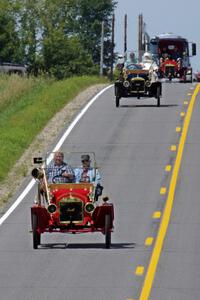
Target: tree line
60, 38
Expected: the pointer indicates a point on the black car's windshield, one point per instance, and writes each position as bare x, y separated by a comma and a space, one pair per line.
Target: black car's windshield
134, 67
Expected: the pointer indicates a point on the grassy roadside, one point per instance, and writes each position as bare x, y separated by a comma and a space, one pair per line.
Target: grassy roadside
26, 105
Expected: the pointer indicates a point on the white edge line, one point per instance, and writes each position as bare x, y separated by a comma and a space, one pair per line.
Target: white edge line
57, 147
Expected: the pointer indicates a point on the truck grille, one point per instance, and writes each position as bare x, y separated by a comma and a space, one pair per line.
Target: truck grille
71, 210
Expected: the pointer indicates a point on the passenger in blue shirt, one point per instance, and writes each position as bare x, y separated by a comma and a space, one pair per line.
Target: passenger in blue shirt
86, 173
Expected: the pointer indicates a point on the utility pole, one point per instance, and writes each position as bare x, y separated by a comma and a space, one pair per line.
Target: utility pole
102, 48
113, 46
146, 38
125, 33
140, 34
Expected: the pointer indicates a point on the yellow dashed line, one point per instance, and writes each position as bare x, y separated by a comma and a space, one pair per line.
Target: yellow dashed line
178, 129
185, 103
149, 241
173, 148
182, 114
139, 271
189, 94
168, 168
156, 215
163, 191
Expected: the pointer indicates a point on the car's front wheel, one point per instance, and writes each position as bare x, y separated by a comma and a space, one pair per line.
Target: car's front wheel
158, 95
117, 96
117, 101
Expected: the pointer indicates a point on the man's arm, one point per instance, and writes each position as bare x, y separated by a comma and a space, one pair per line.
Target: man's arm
68, 172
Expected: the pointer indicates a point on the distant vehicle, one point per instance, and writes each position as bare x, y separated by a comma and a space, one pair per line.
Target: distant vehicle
10, 68
119, 63
69, 207
172, 54
135, 81
197, 76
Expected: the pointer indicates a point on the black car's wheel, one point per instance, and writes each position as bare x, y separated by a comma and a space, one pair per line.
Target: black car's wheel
36, 235
117, 101
107, 231
117, 96
184, 77
158, 95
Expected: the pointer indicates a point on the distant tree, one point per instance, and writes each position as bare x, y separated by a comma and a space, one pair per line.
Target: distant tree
9, 40
59, 37
29, 32
88, 16
62, 51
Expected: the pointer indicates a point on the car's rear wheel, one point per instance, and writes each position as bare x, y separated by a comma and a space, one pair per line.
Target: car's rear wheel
36, 234
107, 231
158, 95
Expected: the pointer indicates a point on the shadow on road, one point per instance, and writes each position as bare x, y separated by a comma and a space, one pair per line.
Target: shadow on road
147, 105
86, 246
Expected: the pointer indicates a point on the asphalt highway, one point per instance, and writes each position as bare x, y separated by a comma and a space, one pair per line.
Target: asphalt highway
143, 157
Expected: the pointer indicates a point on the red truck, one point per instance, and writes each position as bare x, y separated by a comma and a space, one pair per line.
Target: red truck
172, 55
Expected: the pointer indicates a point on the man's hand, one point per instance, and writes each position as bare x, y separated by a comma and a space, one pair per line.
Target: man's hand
67, 175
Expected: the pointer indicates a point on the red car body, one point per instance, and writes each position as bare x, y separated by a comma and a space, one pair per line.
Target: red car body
169, 69
70, 208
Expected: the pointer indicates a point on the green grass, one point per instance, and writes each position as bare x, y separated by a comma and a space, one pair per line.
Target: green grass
26, 105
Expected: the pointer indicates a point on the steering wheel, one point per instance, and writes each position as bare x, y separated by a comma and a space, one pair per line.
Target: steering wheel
54, 178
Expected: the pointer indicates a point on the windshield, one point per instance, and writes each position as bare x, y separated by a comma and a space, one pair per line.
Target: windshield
134, 67
172, 48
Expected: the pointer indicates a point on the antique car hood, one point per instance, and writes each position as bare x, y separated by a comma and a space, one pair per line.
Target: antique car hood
136, 72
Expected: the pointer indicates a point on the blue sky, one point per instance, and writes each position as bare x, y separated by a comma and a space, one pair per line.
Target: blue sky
177, 16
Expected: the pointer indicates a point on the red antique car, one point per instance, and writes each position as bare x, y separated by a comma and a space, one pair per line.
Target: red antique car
69, 208
169, 69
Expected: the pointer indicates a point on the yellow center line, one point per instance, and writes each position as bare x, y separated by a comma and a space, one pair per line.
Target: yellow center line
163, 190
182, 114
150, 274
178, 129
168, 168
139, 271
156, 215
149, 241
173, 148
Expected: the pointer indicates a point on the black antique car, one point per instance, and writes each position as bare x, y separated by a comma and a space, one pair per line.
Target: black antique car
136, 81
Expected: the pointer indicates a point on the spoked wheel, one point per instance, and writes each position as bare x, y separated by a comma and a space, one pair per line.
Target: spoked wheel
107, 231
158, 95
36, 235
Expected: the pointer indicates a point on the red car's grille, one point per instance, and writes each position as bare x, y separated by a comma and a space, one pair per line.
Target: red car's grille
71, 211
169, 70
